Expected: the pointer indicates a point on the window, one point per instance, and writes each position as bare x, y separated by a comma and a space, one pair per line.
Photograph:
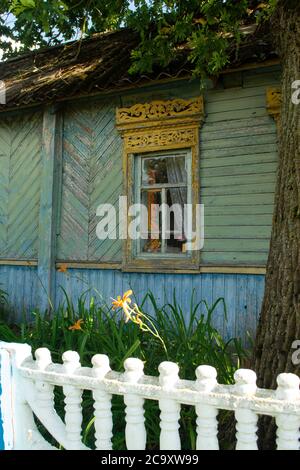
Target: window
163, 189
161, 178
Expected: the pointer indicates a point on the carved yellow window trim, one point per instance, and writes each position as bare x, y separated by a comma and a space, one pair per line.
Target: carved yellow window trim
160, 126
273, 98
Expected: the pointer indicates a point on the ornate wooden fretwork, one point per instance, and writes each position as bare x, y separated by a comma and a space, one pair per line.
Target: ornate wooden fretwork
159, 110
274, 102
154, 127
160, 124
160, 138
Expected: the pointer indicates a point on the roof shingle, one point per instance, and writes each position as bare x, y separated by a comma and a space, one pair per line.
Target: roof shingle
96, 64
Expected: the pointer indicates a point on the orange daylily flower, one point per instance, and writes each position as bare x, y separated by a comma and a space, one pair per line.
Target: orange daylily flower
77, 325
63, 268
121, 301
117, 303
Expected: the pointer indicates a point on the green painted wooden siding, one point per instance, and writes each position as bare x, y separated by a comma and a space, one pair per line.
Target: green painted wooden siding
238, 170
20, 170
238, 161
92, 175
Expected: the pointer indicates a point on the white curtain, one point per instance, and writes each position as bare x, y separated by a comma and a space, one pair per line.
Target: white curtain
177, 174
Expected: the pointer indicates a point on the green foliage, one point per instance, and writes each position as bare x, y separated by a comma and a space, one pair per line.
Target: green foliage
206, 27
6, 333
191, 340
3, 297
3, 301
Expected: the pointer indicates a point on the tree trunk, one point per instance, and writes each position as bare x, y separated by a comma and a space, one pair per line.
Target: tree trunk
279, 324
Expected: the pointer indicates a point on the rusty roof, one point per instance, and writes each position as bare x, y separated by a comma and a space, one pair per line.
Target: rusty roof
100, 63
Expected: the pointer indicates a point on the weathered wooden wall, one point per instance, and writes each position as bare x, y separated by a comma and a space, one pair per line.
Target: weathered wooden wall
238, 169
92, 175
20, 181
238, 159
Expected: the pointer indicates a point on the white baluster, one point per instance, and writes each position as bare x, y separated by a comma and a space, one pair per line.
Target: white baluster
45, 396
42, 358
135, 431
288, 425
16, 416
207, 425
73, 399
245, 385
102, 405
170, 409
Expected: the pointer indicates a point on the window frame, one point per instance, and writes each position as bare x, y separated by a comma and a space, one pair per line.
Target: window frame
160, 127
139, 187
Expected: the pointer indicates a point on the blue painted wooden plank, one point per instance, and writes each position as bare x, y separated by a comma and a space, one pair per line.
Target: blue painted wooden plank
251, 314
171, 287
15, 297
186, 291
207, 288
243, 293
92, 279
260, 288
218, 291
21, 284
230, 301
121, 284
241, 310
51, 154
152, 284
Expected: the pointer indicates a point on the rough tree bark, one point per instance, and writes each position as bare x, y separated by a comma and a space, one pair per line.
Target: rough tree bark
279, 323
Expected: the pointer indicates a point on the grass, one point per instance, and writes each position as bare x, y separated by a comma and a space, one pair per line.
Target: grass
190, 340
3, 301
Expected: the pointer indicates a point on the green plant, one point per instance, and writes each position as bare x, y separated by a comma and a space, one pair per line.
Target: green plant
3, 298
192, 339
3, 305
90, 328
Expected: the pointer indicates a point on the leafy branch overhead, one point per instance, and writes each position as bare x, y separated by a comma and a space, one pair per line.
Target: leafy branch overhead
210, 31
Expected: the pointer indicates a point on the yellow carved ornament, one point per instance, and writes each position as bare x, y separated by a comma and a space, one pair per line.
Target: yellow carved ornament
273, 101
158, 110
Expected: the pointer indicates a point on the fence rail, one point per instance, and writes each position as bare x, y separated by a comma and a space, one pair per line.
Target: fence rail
28, 391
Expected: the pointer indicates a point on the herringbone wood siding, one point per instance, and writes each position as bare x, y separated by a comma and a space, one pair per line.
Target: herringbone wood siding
20, 170
92, 174
4, 179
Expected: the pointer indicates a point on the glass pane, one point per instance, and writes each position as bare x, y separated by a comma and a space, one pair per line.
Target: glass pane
176, 199
163, 170
151, 227
173, 240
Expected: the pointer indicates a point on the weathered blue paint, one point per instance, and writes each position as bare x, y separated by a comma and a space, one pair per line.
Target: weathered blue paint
48, 203
22, 285
243, 293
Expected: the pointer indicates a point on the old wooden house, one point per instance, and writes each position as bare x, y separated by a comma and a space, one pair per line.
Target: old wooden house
78, 131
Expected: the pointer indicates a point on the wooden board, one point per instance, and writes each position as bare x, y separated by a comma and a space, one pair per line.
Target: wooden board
20, 182
238, 163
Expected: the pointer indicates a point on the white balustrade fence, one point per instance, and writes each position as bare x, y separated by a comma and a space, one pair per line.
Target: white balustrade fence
28, 385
